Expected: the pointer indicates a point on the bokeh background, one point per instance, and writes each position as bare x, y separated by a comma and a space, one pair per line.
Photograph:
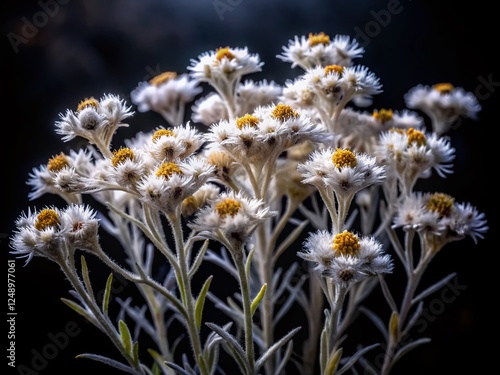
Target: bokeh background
88, 48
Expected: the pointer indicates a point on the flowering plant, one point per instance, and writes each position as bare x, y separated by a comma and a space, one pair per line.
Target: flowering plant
258, 171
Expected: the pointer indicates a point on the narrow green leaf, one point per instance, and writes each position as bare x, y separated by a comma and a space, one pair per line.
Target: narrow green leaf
333, 362
198, 259
86, 278
155, 369
248, 263
107, 294
323, 352
258, 298
135, 353
76, 307
125, 336
200, 302
394, 326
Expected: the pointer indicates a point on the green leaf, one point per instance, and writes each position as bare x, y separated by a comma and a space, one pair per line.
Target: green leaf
135, 353
198, 259
125, 336
86, 278
248, 263
76, 307
258, 298
333, 362
200, 302
107, 294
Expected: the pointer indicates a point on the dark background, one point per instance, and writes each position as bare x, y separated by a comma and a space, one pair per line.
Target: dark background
89, 48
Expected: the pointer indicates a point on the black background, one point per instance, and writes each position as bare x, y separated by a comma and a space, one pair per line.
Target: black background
89, 48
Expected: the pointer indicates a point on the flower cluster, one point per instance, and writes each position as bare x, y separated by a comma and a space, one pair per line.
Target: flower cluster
299, 191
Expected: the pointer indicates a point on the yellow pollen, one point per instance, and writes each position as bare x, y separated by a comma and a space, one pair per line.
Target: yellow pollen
284, 112
224, 52
321, 38
122, 155
443, 88
47, 218
228, 207
160, 132
167, 169
441, 203
344, 158
334, 69
383, 115
87, 102
416, 136
57, 163
247, 120
346, 244
162, 78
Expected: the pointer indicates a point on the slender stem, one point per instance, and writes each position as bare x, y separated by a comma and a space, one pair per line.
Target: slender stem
186, 294
247, 311
104, 323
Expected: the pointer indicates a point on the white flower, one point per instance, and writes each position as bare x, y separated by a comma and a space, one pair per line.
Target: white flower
439, 219
318, 50
171, 182
38, 233
344, 257
226, 64
344, 171
256, 94
61, 175
166, 94
266, 133
94, 120
80, 225
209, 109
412, 154
444, 104
231, 218
358, 81
179, 142
412, 215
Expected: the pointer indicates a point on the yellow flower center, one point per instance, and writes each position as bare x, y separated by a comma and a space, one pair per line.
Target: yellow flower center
162, 132
284, 112
346, 244
321, 38
87, 102
440, 203
57, 163
383, 115
47, 218
334, 69
344, 158
416, 136
228, 207
443, 88
167, 169
162, 78
247, 120
121, 155
224, 53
